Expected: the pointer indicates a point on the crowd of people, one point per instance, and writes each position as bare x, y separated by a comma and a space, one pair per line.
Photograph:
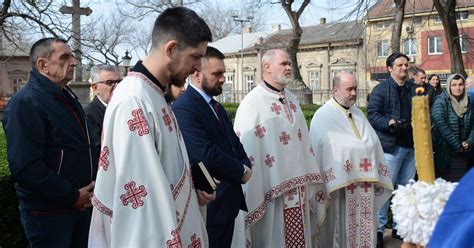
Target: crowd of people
118, 173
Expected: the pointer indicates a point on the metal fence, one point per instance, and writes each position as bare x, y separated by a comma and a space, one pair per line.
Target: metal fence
304, 96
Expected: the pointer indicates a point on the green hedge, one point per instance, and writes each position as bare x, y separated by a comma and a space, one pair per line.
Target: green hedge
12, 234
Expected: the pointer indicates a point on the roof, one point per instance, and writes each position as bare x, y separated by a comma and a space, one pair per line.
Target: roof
10, 49
320, 34
385, 8
233, 43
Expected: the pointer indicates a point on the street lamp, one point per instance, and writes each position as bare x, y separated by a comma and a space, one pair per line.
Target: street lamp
236, 18
126, 61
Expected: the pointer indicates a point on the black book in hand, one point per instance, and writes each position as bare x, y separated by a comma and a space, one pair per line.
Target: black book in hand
202, 178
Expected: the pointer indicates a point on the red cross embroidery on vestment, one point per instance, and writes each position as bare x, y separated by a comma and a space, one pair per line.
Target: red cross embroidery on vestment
329, 175
365, 165
133, 195
276, 108
299, 134
365, 213
103, 159
167, 119
269, 160
293, 106
383, 170
284, 138
260, 131
138, 122
365, 244
351, 187
195, 242
348, 166
366, 186
320, 197
175, 241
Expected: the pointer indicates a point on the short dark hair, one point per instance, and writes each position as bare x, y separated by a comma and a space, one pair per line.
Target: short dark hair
43, 49
432, 75
393, 57
180, 24
419, 71
212, 52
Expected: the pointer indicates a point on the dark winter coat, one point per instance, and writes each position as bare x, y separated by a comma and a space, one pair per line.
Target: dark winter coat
445, 131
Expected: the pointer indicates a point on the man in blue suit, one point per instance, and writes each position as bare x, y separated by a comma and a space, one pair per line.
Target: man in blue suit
210, 138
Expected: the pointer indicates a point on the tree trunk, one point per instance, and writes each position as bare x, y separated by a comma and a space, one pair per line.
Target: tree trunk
397, 25
297, 32
447, 12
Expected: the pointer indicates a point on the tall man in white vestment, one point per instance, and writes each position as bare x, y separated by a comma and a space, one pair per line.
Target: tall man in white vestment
349, 153
274, 133
144, 196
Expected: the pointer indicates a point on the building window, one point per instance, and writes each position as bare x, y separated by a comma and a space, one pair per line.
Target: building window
229, 78
382, 48
17, 84
383, 24
462, 15
437, 19
417, 20
409, 47
464, 43
249, 79
434, 45
314, 80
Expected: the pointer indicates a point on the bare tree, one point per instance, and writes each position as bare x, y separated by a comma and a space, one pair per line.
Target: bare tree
397, 24
141, 40
297, 32
447, 12
23, 20
102, 37
140, 9
220, 21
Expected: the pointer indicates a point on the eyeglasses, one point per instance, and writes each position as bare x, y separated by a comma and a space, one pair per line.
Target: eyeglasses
110, 82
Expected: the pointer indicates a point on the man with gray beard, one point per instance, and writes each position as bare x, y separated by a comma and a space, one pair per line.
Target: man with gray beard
349, 154
273, 131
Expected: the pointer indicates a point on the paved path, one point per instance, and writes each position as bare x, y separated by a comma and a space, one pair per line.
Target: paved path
390, 242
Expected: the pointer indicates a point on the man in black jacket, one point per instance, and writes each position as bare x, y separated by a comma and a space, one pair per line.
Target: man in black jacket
49, 151
104, 78
389, 113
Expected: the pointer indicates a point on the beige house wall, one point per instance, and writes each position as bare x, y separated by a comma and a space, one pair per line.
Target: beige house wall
319, 59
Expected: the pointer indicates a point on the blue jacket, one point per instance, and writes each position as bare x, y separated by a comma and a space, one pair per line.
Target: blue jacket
455, 226
48, 146
385, 104
219, 148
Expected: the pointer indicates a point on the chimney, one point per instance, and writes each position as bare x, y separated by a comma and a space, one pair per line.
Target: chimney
322, 21
248, 30
276, 27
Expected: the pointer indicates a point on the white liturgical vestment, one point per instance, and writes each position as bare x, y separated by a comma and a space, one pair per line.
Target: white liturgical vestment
355, 174
274, 133
144, 196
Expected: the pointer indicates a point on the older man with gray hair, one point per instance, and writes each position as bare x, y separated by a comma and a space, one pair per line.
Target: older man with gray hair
349, 154
104, 78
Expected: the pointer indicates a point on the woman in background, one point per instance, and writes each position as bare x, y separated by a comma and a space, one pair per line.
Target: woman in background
433, 79
453, 133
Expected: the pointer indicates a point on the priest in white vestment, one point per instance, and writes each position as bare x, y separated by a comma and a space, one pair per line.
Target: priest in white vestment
274, 133
144, 194
355, 173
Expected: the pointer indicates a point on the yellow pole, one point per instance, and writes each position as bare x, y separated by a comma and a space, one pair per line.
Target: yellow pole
421, 124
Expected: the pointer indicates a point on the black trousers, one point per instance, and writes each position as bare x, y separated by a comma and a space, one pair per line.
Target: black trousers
220, 236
